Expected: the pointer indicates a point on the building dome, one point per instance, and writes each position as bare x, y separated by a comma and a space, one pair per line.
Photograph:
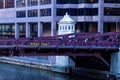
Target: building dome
66, 19
66, 25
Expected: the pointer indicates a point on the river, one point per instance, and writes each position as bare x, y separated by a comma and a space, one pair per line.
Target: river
13, 72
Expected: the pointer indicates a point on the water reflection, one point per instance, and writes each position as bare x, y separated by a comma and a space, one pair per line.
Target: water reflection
12, 72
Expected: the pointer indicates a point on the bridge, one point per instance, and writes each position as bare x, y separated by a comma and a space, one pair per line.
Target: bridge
75, 45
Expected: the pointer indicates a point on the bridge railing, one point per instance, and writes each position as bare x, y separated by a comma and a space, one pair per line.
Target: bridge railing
77, 39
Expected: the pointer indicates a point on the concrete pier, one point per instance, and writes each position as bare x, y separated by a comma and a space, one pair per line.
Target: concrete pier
115, 64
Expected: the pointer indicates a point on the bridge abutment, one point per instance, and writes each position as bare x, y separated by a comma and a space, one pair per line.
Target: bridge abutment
64, 61
115, 64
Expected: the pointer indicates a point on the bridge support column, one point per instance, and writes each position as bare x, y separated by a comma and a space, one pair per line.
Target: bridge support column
115, 64
64, 61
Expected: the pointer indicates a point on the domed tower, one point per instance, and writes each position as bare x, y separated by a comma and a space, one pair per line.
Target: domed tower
66, 25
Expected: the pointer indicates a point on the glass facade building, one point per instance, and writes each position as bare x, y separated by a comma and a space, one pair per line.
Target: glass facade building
36, 18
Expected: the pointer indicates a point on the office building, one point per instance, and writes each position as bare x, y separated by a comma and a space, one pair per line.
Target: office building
36, 18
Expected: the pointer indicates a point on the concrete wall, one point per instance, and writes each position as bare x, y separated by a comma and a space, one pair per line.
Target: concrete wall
115, 63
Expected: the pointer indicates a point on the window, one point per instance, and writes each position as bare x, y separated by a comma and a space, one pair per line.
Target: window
20, 14
45, 12
20, 3
112, 1
69, 28
32, 2
32, 13
76, 1
7, 30
9, 3
65, 27
72, 27
22, 28
59, 27
33, 29
77, 12
45, 1
112, 11
1, 4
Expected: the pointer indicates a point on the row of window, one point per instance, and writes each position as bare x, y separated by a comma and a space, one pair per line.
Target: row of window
84, 1
112, 1
11, 28
77, 11
62, 28
8, 30
76, 1
112, 11
9, 3
22, 3
71, 12
60, 12
33, 13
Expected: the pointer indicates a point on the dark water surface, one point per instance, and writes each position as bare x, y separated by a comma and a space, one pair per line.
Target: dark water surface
13, 72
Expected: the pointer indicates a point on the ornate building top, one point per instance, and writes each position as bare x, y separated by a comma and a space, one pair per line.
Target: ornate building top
66, 19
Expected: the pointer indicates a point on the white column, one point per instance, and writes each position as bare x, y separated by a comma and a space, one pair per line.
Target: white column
4, 3
26, 3
39, 23
15, 3
100, 16
40, 29
71, 27
26, 9
53, 14
53, 28
115, 63
74, 27
16, 30
27, 30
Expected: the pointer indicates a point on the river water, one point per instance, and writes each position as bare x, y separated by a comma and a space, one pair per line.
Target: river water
13, 72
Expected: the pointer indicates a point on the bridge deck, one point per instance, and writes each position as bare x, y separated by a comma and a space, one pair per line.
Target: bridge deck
71, 48
58, 47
